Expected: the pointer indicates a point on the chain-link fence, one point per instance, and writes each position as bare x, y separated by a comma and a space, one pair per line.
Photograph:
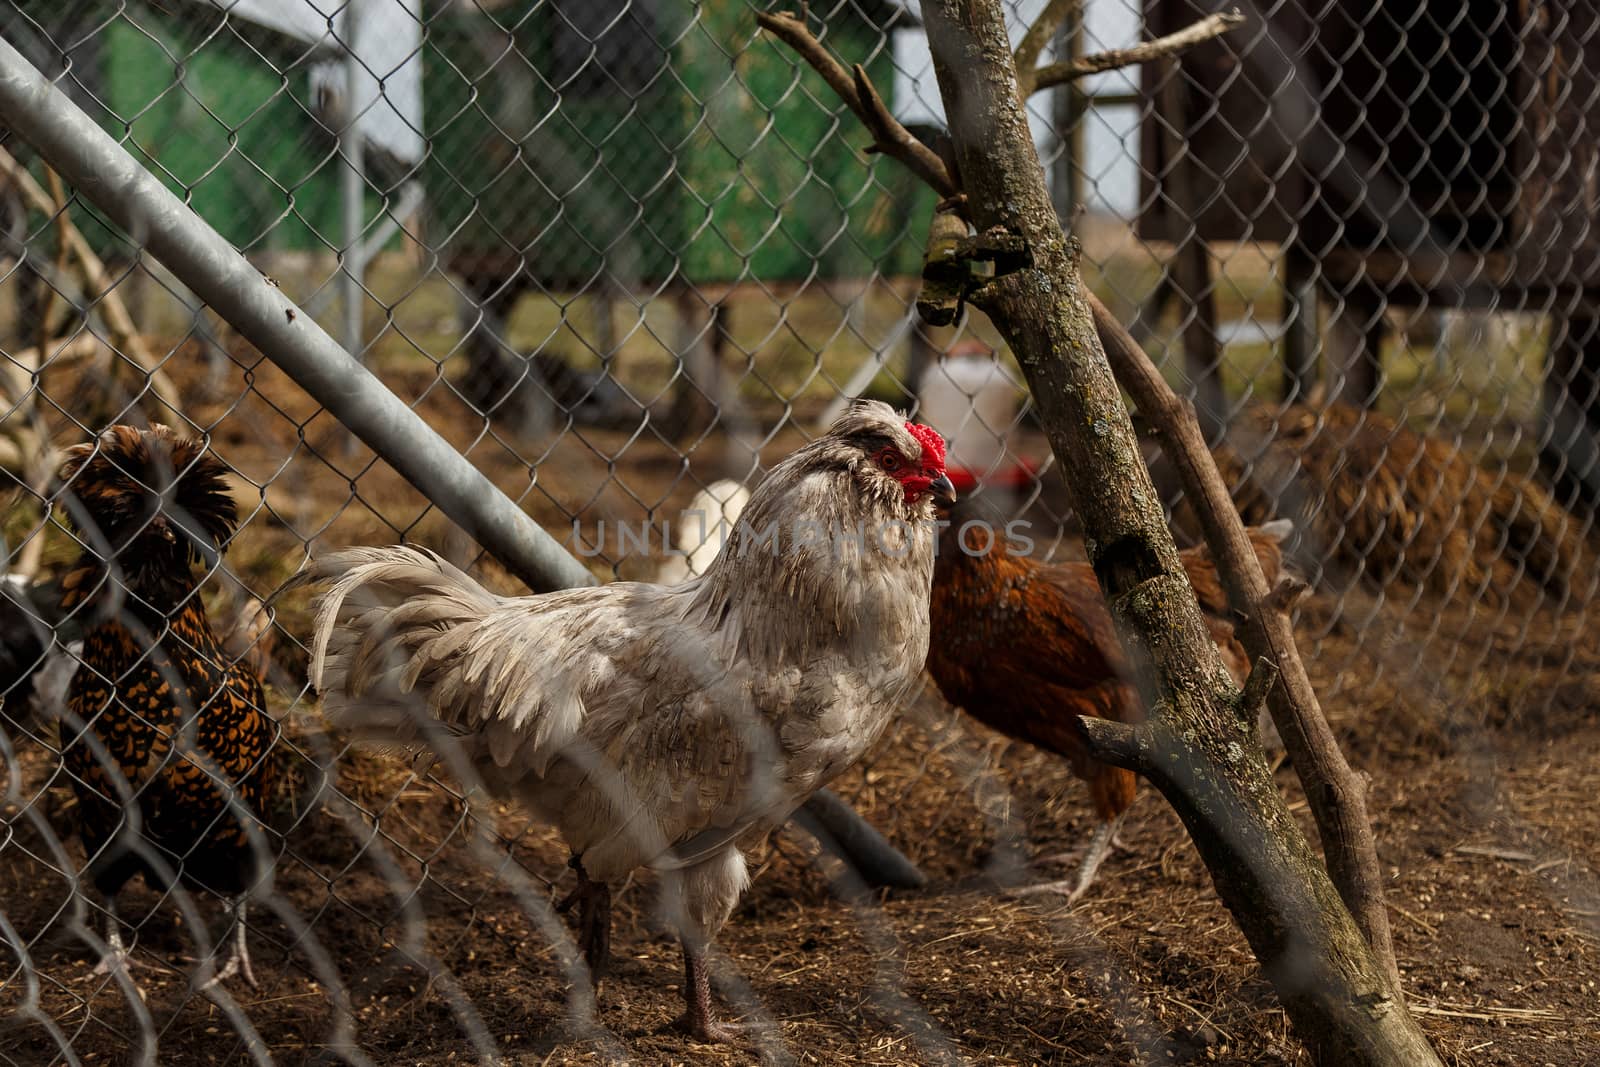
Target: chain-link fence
625, 255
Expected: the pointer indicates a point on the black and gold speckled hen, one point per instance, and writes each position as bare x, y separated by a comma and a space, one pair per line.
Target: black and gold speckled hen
167, 739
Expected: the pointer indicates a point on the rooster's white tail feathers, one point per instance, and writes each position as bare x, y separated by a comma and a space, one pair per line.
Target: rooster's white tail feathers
406, 646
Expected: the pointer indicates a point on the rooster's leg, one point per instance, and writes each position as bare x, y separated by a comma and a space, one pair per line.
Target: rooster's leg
1105, 836
1099, 848
704, 898
116, 959
238, 961
594, 921
698, 1020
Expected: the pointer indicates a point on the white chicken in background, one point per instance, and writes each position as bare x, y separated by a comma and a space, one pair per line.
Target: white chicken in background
975, 400
662, 726
703, 528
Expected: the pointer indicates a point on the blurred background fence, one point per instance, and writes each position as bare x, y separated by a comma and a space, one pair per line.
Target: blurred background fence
617, 250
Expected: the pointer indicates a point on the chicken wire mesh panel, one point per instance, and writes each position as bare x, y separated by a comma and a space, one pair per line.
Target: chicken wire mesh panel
1437, 461
627, 256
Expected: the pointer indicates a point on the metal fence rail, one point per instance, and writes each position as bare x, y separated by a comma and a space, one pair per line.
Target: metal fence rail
600, 256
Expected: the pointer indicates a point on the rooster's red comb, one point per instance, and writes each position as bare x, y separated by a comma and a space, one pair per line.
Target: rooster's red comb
932, 444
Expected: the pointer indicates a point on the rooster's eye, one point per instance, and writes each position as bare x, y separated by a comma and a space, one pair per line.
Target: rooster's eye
889, 459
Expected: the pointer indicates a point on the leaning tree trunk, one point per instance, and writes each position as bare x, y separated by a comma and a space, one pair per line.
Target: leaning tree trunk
1197, 746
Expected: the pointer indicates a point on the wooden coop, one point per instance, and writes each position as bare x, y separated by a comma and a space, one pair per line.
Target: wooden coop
1401, 154
576, 148
223, 103
588, 147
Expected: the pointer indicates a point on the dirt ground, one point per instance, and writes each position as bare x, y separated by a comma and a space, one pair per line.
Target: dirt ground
396, 932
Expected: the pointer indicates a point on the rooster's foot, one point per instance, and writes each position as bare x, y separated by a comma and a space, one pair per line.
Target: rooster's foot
116, 960
1100, 846
238, 961
709, 1031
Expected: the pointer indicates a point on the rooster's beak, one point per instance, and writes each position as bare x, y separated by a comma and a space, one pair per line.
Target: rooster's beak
942, 490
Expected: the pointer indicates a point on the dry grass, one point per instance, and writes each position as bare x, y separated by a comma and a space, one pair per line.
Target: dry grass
1498, 953
1380, 503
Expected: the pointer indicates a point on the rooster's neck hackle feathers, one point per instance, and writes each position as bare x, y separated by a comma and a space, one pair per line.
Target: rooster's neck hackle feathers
828, 546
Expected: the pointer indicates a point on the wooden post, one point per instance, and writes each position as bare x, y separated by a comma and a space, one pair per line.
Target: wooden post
500, 381
1191, 267
1302, 334
1569, 450
1068, 106
920, 358
1356, 336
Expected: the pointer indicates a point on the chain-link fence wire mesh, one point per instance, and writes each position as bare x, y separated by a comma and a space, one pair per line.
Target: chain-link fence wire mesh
621, 254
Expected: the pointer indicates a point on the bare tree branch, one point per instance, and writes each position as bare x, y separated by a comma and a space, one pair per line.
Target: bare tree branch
1253, 695
1032, 45
889, 136
892, 139
44, 459
1120, 744
1207, 28
1337, 794
101, 289
58, 195
875, 113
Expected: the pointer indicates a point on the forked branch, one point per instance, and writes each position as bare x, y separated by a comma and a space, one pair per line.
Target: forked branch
856, 90
892, 139
1337, 794
1032, 45
98, 282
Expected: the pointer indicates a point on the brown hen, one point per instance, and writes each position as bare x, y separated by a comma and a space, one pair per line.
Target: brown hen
1027, 647
167, 738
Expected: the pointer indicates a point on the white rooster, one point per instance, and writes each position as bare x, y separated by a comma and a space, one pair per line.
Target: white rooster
663, 726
